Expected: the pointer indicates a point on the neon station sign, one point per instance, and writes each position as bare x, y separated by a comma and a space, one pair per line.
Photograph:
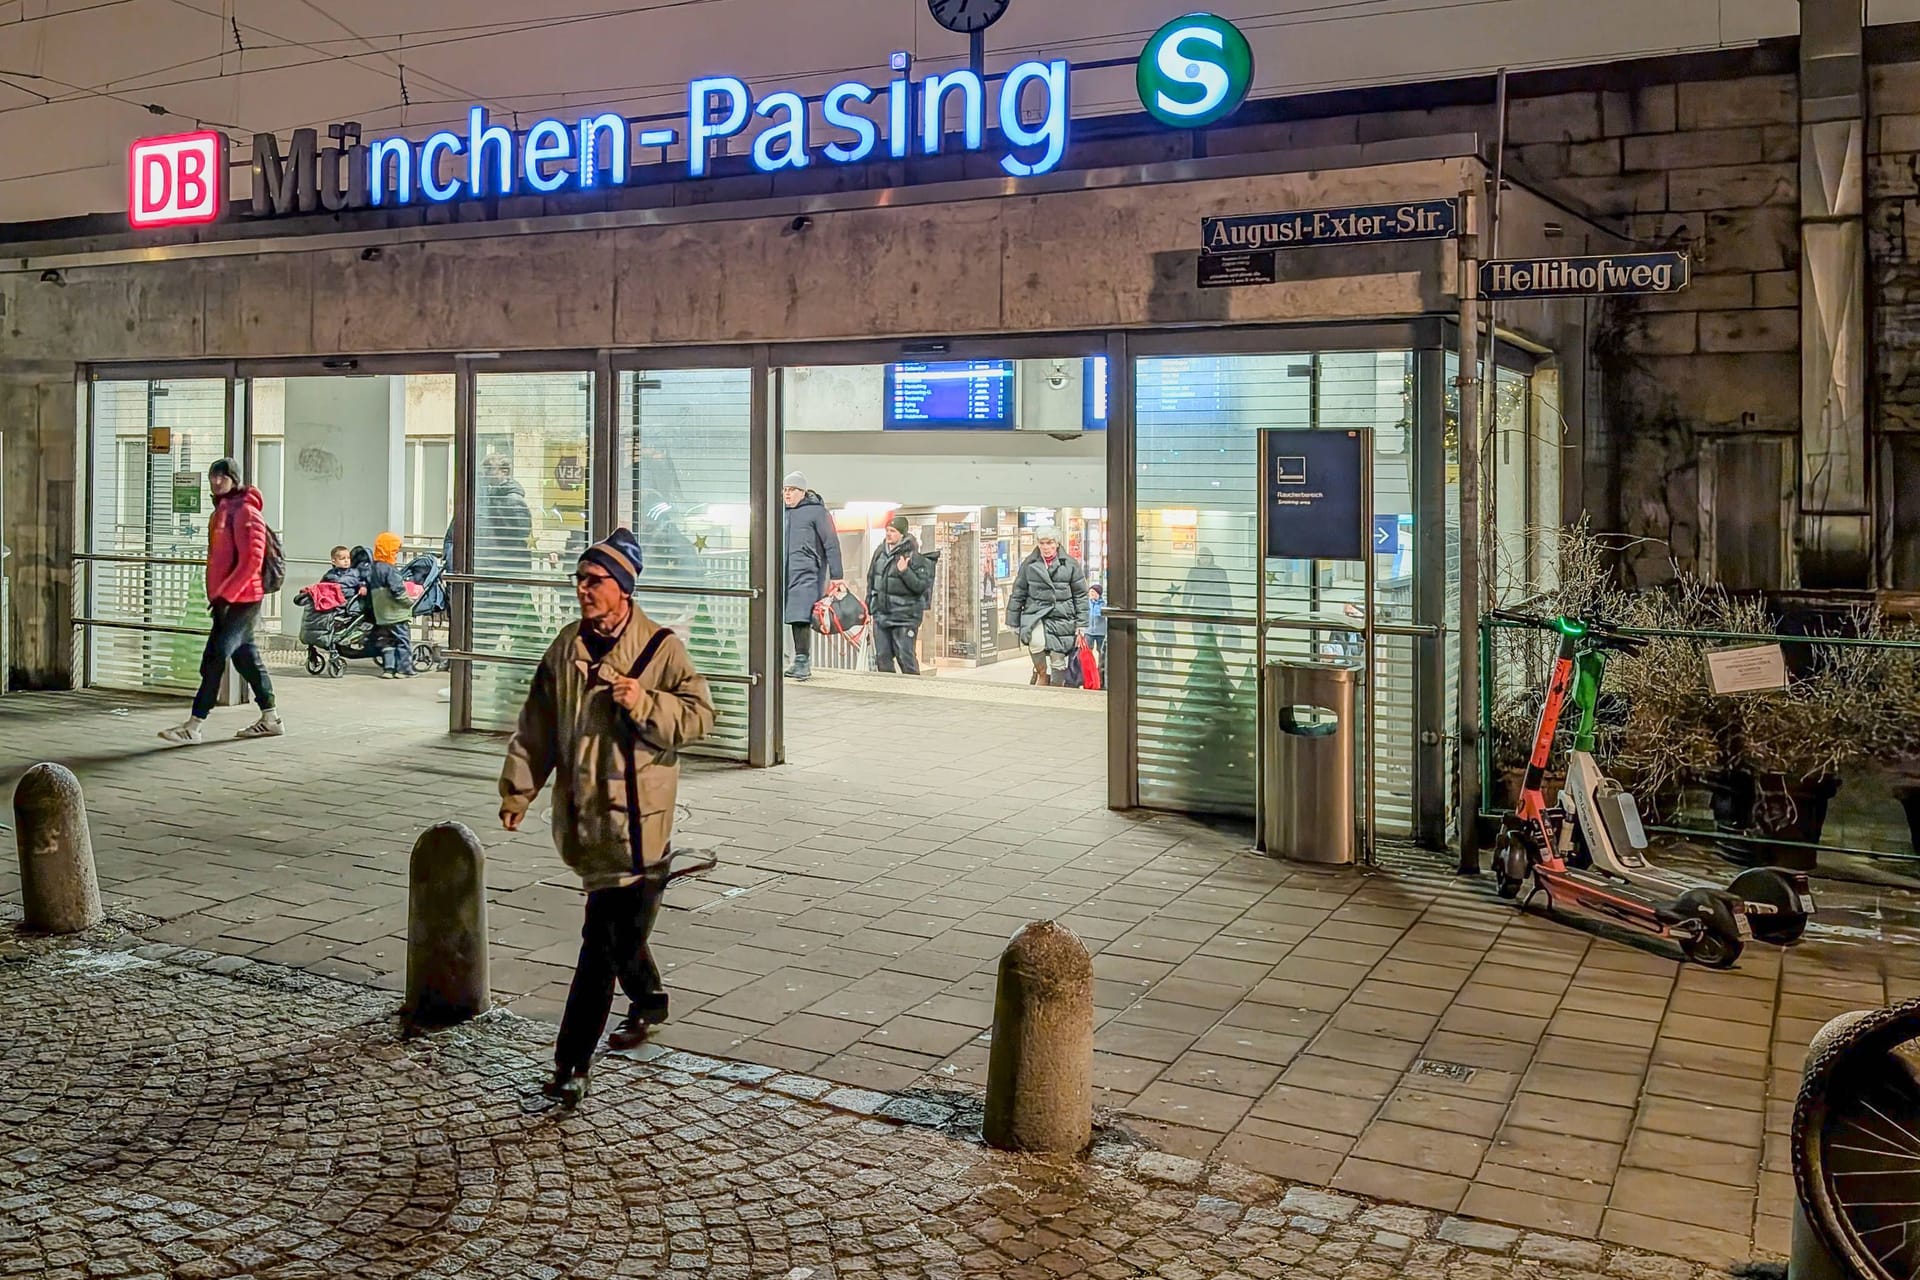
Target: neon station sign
1027, 114
1193, 72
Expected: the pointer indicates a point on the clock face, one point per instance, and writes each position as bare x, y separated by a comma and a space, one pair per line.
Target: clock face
967, 15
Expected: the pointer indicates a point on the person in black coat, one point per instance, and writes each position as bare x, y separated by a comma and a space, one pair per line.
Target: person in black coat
898, 581
1048, 606
814, 569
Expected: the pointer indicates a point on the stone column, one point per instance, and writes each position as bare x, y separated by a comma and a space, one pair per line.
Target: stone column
1040, 1070
446, 927
57, 882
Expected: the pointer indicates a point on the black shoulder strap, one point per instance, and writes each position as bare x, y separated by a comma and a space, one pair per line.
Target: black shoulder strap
647, 655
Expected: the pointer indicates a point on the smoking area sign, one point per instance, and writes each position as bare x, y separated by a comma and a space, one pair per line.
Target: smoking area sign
1314, 486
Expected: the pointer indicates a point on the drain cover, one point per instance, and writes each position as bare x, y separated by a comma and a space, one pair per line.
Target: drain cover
1456, 1071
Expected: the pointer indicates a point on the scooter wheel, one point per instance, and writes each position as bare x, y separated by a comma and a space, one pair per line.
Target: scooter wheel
336, 668
1510, 864
316, 662
1717, 945
1767, 886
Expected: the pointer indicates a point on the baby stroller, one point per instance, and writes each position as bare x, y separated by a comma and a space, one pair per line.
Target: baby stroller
430, 608
333, 636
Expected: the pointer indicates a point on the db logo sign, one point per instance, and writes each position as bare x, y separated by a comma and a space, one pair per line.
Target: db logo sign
177, 180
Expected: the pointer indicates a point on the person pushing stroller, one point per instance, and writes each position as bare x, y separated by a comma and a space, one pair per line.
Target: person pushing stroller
392, 608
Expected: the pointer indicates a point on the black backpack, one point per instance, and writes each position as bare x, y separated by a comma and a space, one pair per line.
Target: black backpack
273, 564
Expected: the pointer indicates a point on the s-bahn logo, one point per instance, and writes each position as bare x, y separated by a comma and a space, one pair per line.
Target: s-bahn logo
177, 180
1196, 70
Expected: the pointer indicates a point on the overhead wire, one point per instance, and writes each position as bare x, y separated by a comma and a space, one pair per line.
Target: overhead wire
23, 19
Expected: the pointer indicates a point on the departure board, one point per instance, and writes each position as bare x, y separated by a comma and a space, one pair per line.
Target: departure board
956, 395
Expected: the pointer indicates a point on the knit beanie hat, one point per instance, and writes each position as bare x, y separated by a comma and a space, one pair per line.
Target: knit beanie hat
224, 467
794, 480
619, 555
899, 524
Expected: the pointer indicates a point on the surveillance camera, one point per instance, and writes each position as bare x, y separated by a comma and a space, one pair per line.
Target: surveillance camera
799, 224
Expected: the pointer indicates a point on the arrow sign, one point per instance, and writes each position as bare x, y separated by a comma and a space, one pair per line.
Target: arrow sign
1386, 535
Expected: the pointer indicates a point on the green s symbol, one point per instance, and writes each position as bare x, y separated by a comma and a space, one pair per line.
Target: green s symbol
1194, 71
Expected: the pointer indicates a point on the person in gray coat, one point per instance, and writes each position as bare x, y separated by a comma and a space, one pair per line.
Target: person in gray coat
1048, 606
814, 570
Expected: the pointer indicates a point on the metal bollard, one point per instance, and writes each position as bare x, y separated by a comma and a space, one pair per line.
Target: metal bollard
446, 927
1040, 1069
57, 881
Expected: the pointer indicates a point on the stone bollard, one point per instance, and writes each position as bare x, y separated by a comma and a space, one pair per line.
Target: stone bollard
446, 927
57, 881
1040, 1069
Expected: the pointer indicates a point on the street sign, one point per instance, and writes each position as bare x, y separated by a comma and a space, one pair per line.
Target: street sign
1314, 485
1612, 275
1360, 224
1233, 270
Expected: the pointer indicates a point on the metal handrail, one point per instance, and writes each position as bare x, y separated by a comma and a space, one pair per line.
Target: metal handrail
1724, 637
1418, 630
566, 583
139, 626
98, 558
514, 660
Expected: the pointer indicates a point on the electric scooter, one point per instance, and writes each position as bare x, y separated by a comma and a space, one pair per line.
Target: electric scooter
1589, 851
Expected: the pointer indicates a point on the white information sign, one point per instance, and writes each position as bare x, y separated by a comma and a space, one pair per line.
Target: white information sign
1747, 670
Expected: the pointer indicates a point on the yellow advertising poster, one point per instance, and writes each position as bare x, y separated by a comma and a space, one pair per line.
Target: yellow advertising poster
563, 483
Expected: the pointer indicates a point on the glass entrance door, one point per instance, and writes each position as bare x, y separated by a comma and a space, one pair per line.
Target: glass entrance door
143, 569
684, 485
1197, 420
530, 513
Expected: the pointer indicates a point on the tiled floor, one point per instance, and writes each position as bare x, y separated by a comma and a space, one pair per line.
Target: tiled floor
1399, 1034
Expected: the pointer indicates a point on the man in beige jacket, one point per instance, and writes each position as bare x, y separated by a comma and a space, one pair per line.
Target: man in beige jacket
612, 703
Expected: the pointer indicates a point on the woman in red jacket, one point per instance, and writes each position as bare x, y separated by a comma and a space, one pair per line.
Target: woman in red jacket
236, 549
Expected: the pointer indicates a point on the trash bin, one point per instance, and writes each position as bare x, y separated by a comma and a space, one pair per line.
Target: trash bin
1308, 793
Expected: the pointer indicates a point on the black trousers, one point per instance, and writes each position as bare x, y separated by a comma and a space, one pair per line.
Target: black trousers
613, 948
802, 638
232, 638
891, 642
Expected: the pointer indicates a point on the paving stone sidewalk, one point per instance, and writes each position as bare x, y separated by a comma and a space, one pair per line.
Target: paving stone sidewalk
181, 1114
1399, 1034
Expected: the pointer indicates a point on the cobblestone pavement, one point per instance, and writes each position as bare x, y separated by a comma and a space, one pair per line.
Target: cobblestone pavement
171, 1113
1401, 1035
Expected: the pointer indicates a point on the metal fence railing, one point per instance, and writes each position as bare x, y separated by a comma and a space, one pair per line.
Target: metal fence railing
1830, 762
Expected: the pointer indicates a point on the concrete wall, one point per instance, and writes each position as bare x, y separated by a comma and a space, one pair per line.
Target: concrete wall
39, 410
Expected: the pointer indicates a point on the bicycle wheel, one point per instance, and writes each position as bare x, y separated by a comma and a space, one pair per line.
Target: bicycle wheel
1856, 1141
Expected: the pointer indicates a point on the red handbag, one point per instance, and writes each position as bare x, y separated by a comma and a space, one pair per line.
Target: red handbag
1089, 668
844, 614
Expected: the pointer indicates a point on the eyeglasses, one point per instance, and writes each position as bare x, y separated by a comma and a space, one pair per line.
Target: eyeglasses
590, 579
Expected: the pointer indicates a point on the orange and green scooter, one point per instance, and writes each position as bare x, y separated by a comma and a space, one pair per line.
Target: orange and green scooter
1588, 852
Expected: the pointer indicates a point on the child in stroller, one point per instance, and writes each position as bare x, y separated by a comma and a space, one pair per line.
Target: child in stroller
335, 623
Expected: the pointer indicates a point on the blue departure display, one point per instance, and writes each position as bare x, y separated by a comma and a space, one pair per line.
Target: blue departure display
1093, 380
955, 395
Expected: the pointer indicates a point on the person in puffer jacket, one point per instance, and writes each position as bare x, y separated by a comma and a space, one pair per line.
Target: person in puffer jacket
236, 550
612, 703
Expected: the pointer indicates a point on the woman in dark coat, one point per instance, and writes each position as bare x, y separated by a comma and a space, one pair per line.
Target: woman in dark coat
1048, 606
814, 570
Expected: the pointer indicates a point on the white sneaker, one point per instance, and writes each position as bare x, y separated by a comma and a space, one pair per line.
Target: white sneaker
267, 726
446, 695
184, 734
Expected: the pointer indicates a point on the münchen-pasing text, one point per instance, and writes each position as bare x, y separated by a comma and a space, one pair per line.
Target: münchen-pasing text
854, 122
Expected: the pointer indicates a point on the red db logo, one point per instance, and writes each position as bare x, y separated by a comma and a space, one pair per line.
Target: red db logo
176, 180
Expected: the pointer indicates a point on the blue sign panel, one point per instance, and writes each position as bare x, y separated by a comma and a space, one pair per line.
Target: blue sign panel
1312, 483
1386, 535
1612, 275
1366, 224
1093, 398
954, 395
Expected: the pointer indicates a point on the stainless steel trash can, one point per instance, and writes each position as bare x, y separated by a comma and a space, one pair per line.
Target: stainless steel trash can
1308, 793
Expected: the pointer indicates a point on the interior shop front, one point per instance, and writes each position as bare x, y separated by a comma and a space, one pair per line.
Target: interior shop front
983, 357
